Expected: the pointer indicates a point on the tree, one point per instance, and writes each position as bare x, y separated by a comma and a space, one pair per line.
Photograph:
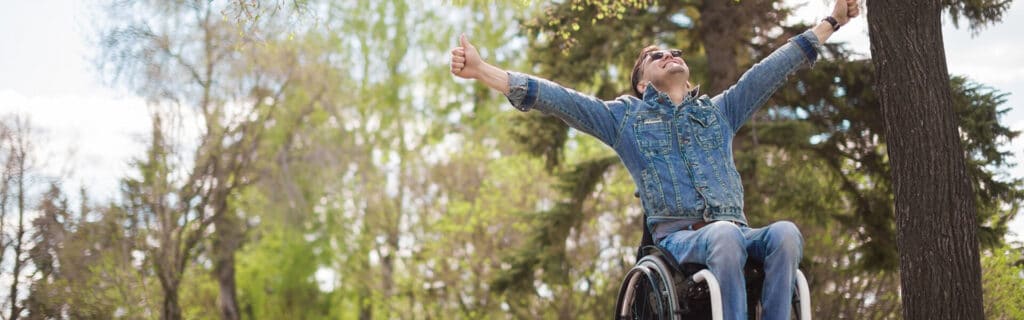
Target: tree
87, 263
233, 84
16, 152
935, 206
50, 233
838, 122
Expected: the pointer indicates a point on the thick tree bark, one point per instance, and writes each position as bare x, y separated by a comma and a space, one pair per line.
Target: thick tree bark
935, 214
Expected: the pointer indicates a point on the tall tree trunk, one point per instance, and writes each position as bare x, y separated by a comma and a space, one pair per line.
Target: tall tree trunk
935, 214
228, 299
171, 311
720, 25
227, 241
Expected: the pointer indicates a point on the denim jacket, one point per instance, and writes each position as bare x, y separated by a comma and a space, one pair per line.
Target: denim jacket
680, 156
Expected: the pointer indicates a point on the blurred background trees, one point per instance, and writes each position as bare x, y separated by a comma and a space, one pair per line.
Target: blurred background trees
315, 159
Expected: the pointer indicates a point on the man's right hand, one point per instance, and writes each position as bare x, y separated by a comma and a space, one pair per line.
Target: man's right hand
466, 62
844, 10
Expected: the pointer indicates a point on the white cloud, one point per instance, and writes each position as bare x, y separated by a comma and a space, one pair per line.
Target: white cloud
88, 139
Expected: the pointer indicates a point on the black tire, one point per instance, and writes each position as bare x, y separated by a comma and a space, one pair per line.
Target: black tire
644, 296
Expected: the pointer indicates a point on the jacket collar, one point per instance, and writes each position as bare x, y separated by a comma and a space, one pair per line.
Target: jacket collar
656, 97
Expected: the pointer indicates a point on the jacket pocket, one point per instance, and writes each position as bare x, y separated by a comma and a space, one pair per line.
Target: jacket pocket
708, 130
653, 199
653, 136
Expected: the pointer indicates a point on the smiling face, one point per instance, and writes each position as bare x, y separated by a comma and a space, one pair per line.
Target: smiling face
663, 68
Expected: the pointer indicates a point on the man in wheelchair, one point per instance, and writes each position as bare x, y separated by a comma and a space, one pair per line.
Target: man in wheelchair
677, 145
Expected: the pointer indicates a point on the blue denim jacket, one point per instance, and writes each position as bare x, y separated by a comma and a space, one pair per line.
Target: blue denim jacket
680, 156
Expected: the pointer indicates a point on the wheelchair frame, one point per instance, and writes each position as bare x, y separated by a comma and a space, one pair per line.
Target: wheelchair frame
658, 270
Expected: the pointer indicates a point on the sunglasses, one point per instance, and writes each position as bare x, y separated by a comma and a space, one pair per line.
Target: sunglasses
657, 55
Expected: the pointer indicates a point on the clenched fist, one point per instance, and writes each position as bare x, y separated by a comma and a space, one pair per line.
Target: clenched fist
845, 10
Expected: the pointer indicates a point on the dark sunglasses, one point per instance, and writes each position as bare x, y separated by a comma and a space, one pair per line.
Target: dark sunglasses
657, 55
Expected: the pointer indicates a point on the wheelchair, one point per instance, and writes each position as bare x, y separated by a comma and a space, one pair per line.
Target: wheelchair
657, 287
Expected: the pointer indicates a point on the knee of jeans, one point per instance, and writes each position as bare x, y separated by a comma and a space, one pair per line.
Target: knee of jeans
722, 231
785, 236
725, 243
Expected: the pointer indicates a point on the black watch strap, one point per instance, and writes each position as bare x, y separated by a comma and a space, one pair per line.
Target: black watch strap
831, 20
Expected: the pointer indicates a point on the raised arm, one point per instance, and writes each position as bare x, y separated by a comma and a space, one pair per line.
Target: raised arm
741, 100
583, 112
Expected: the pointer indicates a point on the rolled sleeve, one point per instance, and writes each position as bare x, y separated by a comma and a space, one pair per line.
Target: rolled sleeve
809, 44
522, 91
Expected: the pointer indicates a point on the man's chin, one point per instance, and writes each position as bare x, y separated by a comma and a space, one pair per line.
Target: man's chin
673, 70
679, 74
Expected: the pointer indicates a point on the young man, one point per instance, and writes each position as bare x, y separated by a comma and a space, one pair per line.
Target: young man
677, 145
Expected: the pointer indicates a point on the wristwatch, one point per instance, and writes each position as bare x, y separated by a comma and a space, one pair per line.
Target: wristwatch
833, 22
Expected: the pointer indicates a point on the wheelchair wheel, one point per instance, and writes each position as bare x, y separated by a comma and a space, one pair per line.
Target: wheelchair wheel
648, 292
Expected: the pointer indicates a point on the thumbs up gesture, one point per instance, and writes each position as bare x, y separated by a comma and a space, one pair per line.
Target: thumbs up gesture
466, 60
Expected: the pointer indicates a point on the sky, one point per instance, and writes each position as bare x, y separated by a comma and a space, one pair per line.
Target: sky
89, 132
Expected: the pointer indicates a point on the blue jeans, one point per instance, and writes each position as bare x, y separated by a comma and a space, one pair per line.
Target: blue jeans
724, 247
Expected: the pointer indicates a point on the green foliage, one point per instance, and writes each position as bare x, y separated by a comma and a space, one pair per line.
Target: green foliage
790, 185
87, 266
1003, 282
585, 14
978, 13
998, 197
481, 217
199, 292
276, 276
546, 247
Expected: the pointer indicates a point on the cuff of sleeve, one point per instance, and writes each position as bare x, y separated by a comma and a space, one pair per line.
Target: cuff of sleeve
522, 91
809, 44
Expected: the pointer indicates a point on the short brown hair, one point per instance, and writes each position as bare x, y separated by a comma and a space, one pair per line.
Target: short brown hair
634, 78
